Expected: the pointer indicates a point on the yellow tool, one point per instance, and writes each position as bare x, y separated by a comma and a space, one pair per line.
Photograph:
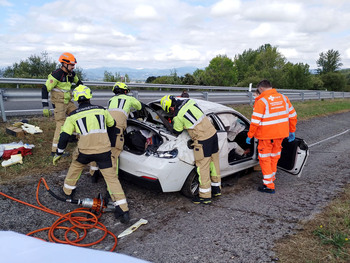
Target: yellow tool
133, 227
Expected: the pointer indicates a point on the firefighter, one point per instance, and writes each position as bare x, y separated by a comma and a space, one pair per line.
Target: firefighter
187, 115
119, 107
91, 123
59, 83
273, 119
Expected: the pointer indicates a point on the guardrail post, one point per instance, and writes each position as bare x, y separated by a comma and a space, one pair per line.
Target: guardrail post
319, 95
302, 96
332, 94
205, 95
251, 98
2, 107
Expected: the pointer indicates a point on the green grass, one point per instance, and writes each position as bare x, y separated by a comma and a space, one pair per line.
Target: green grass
326, 238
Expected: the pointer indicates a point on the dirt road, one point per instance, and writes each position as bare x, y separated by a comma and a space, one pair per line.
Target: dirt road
241, 226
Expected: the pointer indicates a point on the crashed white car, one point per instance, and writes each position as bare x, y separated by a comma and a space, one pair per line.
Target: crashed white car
154, 156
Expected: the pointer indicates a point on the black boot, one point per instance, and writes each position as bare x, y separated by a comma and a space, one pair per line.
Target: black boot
265, 189
122, 216
215, 191
71, 196
97, 174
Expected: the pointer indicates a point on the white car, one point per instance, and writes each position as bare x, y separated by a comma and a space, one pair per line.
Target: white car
154, 156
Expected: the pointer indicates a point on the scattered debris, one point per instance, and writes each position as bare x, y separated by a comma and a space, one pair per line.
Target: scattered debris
17, 158
9, 149
133, 227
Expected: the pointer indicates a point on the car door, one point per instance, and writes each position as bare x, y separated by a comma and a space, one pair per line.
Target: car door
293, 156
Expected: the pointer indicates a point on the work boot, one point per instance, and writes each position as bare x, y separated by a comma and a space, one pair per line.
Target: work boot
215, 191
201, 200
265, 189
64, 154
122, 216
97, 175
71, 196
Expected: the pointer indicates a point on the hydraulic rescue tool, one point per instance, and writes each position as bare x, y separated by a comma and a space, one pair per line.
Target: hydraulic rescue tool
98, 205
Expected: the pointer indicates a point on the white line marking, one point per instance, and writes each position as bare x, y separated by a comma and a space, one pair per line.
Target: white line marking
329, 138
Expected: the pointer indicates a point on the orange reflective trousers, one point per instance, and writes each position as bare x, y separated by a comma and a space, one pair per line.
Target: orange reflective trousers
269, 154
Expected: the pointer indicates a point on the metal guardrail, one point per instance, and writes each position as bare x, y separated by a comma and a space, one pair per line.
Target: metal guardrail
223, 95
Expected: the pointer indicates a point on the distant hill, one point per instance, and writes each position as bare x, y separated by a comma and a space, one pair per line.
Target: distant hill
135, 74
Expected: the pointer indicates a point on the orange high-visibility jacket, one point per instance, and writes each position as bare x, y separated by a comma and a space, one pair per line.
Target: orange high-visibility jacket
273, 116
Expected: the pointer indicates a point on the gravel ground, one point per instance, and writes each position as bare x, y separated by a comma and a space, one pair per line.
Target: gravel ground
241, 226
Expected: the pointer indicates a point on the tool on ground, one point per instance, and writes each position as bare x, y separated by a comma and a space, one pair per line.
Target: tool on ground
97, 205
133, 228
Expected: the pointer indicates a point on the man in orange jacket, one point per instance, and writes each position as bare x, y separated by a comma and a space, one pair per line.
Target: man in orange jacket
273, 119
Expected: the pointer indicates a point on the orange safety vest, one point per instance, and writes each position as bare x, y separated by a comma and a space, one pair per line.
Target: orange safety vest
273, 116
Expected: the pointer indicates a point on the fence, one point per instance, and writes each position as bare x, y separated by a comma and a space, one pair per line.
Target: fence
148, 92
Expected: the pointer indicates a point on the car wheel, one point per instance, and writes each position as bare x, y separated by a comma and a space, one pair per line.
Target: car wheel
191, 185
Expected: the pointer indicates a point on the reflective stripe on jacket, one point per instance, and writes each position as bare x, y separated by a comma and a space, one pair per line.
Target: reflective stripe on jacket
273, 116
61, 80
91, 123
120, 106
189, 116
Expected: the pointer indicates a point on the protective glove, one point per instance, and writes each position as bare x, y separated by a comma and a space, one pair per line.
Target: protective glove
46, 112
291, 136
56, 158
247, 141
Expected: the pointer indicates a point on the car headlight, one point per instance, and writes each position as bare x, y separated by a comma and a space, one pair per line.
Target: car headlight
164, 154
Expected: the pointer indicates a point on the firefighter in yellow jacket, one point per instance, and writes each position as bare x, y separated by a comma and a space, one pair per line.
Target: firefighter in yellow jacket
119, 106
187, 115
91, 123
273, 119
59, 83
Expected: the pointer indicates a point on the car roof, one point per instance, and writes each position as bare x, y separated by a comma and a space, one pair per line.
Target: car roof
212, 107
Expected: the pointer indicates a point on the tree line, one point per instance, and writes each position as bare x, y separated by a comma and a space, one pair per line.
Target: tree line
265, 62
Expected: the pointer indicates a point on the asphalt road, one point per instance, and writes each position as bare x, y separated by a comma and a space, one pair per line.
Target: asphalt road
241, 226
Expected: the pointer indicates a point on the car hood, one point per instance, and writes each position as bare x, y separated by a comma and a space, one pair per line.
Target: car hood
181, 144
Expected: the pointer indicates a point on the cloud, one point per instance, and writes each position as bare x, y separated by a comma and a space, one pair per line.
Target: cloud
145, 12
226, 7
172, 33
5, 3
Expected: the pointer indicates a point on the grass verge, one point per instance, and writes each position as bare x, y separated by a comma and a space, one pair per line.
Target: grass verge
326, 238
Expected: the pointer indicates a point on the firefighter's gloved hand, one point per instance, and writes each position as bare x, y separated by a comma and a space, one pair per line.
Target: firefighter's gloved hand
247, 141
46, 112
56, 158
291, 136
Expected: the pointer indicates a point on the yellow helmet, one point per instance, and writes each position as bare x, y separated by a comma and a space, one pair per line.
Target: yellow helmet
82, 93
166, 102
120, 87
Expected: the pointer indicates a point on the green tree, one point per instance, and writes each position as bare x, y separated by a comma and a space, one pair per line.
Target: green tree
263, 63
36, 67
198, 75
150, 79
220, 72
243, 62
297, 76
317, 82
188, 80
334, 81
329, 62
33, 67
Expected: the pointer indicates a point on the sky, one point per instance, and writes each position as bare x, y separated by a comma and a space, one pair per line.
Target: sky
167, 34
